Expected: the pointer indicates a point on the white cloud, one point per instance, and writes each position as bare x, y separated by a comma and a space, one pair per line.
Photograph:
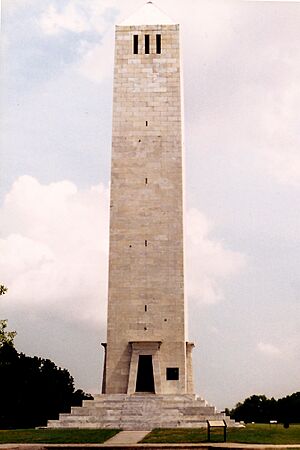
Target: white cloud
53, 251
70, 19
208, 261
288, 349
22, 254
243, 93
77, 16
95, 60
284, 165
96, 63
12, 6
280, 125
268, 349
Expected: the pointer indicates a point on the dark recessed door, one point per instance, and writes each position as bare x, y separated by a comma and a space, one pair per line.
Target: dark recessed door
145, 379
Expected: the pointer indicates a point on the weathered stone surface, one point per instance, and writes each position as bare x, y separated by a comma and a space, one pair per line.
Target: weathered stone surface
140, 412
146, 279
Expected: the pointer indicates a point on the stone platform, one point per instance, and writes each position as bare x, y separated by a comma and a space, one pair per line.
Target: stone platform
140, 412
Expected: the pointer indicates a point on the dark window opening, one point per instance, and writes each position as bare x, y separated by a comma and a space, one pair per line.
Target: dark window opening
140, 140
146, 180
146, 243
135, 44
146, 123
145, 328
147, 44
130, 246
172, 373
146, 308
165, 320
145, 378
158, 44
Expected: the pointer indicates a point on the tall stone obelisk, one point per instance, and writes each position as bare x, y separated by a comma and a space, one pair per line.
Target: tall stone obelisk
146, 348
146, 342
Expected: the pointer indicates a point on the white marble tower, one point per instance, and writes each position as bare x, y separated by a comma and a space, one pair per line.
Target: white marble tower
146, 342
147, 377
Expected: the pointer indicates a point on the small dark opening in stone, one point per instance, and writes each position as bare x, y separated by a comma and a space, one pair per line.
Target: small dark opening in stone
147, 44
172, 373
135, 44
158, 44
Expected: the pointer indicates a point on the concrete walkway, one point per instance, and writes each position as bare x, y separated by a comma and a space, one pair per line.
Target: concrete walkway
127, 437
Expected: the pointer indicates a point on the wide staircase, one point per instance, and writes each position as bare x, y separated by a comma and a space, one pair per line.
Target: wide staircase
140, 412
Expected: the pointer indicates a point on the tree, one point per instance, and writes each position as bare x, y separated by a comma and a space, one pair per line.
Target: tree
258, 408
6, 337
33, 390
289, 408
251, 410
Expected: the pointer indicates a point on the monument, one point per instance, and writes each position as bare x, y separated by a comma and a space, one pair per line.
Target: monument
146, 345
147, 376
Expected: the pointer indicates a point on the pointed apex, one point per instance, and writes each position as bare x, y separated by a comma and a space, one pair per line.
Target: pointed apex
148, 14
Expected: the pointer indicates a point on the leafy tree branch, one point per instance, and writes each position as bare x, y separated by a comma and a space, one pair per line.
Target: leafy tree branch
6, 337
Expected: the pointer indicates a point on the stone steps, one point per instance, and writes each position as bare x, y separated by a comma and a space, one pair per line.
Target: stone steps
139, 412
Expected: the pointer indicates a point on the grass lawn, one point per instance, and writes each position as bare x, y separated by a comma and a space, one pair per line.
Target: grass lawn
74, 436
252, 434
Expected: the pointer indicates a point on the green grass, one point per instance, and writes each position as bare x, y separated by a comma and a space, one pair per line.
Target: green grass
252, 434
68, 436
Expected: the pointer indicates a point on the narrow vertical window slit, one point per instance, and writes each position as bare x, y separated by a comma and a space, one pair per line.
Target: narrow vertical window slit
158, 44
135, 44
147, 44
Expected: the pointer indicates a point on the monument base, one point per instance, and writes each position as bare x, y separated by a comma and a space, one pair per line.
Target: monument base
142, 411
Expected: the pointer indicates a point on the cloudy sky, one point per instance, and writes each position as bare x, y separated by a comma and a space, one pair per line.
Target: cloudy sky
242, 100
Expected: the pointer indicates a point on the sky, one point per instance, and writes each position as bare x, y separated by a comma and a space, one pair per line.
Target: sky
241, 71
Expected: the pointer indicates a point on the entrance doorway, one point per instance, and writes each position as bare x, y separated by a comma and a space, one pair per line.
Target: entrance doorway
145, 379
